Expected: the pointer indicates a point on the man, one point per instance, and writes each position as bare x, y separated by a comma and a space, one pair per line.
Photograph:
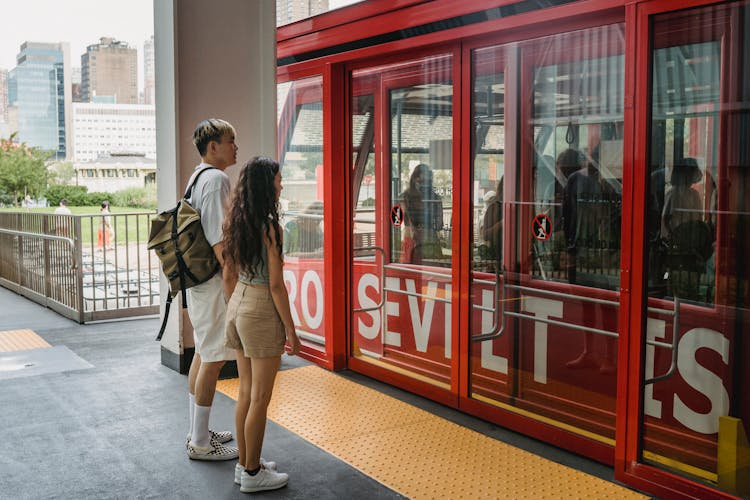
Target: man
214, 140
63, 208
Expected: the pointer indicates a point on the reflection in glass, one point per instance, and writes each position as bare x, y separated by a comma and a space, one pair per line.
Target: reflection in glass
696, 411
421, 137
300, 125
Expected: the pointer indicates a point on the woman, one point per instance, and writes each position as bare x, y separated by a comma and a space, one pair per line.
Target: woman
258, 315
105, 233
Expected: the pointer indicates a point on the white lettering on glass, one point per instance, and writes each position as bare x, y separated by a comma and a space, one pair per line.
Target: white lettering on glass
543, 308
702, 380
312, 278
369, 332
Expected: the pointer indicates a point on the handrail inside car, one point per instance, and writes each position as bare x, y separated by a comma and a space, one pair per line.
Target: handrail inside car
674, 346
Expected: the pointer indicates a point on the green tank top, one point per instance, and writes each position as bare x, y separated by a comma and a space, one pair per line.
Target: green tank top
261, 271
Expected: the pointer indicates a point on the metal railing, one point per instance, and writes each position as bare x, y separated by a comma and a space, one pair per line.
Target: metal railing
76, 266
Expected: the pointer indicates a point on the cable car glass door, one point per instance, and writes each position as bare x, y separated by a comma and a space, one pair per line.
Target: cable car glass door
695, 375
402, 114
546, 247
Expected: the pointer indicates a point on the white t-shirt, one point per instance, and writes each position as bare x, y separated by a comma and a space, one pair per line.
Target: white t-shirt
209, 197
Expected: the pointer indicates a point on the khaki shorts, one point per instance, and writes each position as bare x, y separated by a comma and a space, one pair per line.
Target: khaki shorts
207, 311
253, 324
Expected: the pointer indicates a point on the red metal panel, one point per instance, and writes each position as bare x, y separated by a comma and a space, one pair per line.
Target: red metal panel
628, 386
462, 293
459, 250
338, 221
522, 26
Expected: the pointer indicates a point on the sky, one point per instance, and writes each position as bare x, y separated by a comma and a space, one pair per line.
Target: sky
80, 22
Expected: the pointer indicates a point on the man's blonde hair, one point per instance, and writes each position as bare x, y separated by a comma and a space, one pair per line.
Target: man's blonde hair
212, 129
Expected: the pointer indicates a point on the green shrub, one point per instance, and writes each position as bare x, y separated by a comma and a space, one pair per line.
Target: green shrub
140, 197
96, 198
77, 196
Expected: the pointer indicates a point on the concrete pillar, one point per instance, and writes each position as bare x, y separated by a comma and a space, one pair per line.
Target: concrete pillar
213, 59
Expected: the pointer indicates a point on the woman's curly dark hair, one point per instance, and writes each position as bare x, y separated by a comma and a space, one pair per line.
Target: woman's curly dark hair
253, 213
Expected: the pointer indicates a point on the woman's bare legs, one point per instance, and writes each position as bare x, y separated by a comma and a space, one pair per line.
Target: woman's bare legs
243, 402
263, 376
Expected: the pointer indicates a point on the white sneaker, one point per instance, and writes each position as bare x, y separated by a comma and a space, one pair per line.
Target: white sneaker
238, 469
265, 479
214, 452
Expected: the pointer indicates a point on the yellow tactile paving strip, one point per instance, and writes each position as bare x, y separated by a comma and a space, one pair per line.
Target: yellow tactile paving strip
20, 340
412, 451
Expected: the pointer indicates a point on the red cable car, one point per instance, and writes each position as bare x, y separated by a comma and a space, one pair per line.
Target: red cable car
534, 212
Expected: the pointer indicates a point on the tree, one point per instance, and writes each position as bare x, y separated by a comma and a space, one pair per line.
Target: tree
22, 169
61, 173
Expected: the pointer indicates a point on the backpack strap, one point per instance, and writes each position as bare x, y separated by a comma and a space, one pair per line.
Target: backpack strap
189, 190
166, 316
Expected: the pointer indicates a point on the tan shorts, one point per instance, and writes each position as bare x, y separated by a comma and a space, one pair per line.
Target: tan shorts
253, 324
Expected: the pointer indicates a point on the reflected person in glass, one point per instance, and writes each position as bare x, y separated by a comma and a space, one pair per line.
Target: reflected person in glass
423, 218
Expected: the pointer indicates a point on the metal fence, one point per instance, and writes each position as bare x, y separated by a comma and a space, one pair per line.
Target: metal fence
78, 267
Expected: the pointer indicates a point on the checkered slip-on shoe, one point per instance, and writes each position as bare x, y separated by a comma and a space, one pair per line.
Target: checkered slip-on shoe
215, 452
238, 469
220, 437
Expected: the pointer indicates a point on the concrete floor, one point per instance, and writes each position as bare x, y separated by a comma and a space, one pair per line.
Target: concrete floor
117, 430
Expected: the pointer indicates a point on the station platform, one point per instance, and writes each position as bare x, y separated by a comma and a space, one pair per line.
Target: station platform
89, 412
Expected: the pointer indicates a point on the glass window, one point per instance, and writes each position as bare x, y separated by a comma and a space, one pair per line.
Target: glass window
300, 132
422, 168
577, 180
694, 396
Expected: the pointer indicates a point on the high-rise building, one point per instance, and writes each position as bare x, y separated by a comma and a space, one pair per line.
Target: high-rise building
149, 75
101, 129
109, 73
39, 96
75, 82
288, 11
4, 95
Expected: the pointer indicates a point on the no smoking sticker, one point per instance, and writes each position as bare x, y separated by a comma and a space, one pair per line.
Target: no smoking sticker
397, 215
542, 227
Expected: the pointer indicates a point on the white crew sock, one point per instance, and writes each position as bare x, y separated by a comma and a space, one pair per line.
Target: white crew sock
200, 434
191, 399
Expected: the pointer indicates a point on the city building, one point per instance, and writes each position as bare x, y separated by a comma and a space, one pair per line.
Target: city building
149, 78
39, 96
4, 95
100, 129
114, 172
109, 72
288, 11
75, 82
